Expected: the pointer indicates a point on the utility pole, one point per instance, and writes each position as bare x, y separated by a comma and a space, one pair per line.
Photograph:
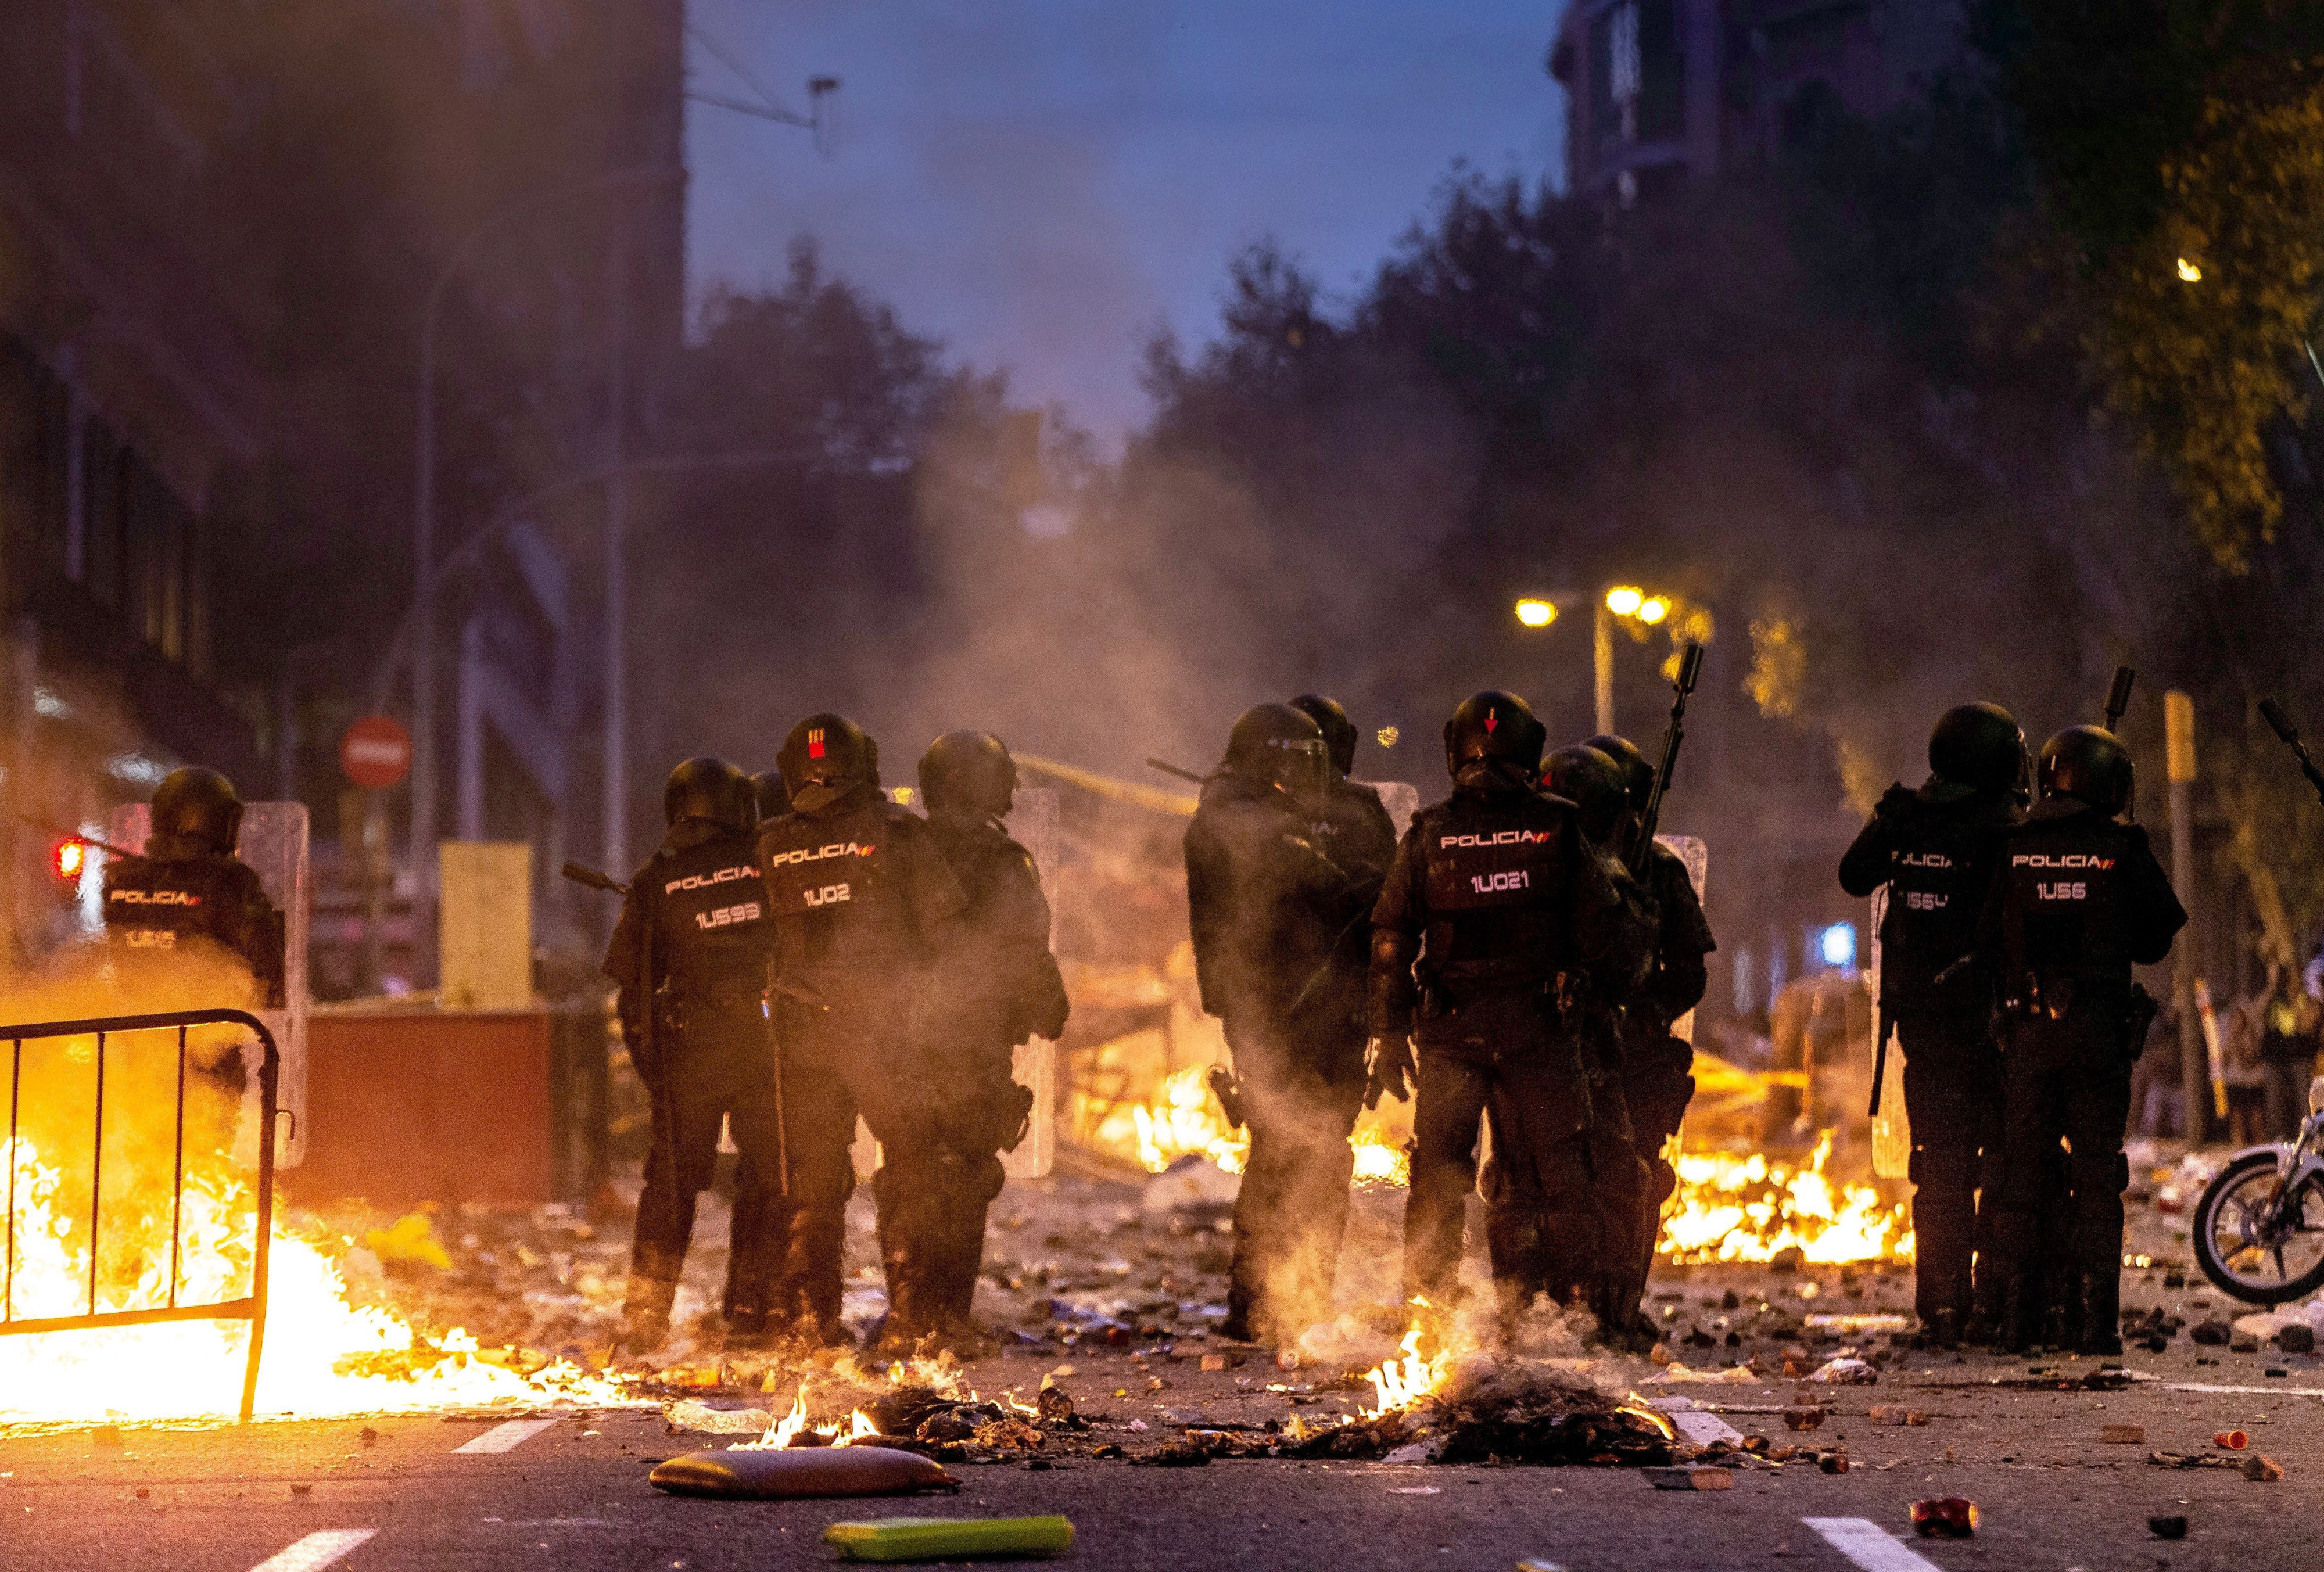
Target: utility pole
1601, 649
617, 588
2179, 757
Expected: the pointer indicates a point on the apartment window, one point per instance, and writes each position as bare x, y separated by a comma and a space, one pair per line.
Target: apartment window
1638, 85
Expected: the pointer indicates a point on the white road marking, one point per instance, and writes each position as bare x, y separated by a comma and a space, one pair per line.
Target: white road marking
1868, 1545
2277, 1391
505, 1437
317, 1550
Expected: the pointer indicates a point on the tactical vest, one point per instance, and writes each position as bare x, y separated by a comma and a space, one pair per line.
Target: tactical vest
845, 861
153, 904
1940, 868
713, 927
2065, 906
1493, 874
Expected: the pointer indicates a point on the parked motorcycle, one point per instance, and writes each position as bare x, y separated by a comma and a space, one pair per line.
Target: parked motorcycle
2258, 1231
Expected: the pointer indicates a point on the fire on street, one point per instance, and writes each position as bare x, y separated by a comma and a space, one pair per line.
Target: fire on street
1153, 1438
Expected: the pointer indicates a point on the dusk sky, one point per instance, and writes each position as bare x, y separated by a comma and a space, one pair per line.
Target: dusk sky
1043, 183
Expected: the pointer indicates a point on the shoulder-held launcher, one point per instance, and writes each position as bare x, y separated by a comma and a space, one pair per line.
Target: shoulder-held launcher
2281, 724
1690, 670
581, 873
2118, 697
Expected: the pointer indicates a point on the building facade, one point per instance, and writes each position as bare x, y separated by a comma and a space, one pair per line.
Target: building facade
220, 228
1660, 89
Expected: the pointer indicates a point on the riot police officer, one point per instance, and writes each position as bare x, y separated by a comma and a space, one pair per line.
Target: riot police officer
1657, 1065
1582, 1256
1936, 851
2079, 900
690, 955
1352, 827
1266, 907
865, 906
1000, 987
1493, 911
189, 890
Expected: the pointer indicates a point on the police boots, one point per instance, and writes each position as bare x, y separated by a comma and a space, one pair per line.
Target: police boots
2100, 1297
645, 1315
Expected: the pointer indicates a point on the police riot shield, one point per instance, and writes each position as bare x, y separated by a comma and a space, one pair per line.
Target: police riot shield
1892, 1130
1401, 798
1032, 824
274, 842
1692, 852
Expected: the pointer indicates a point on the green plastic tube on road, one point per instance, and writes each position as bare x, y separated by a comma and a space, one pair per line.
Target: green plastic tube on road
940, 1539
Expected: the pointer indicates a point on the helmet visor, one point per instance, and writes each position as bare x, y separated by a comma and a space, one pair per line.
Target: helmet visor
1300, 766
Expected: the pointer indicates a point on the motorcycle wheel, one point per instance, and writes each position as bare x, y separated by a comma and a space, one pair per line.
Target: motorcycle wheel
2230, 1246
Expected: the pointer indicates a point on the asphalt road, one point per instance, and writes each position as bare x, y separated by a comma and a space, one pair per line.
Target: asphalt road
572, 1492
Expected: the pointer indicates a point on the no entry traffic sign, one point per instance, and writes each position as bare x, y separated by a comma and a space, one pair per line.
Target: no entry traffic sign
376, 753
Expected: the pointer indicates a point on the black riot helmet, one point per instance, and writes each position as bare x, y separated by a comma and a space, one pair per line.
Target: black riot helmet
1493, 740
2090, 765
1281, 746
968, 773
1338, 732
1979, 746
1593, 784
773, 797
198, 805
711, 789
824, 758
1637, 769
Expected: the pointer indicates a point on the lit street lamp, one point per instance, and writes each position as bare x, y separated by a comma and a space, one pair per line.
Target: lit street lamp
1618, 601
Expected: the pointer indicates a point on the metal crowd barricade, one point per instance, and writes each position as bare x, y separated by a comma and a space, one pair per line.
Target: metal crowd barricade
250, 1308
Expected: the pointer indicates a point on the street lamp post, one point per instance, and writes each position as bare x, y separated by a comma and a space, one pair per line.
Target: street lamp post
423, 523
1616, 601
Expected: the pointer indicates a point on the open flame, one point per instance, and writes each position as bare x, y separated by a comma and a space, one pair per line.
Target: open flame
323, 1356
1401, 1383
1181, 1118
785, 1430
1737, 1206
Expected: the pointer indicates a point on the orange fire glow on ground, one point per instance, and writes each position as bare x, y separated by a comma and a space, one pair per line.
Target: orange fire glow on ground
1737, 1206
322, 1356
1181, 1118
1749, 1207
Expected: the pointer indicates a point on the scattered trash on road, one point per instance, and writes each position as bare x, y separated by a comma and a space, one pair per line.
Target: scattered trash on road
1949, 1517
